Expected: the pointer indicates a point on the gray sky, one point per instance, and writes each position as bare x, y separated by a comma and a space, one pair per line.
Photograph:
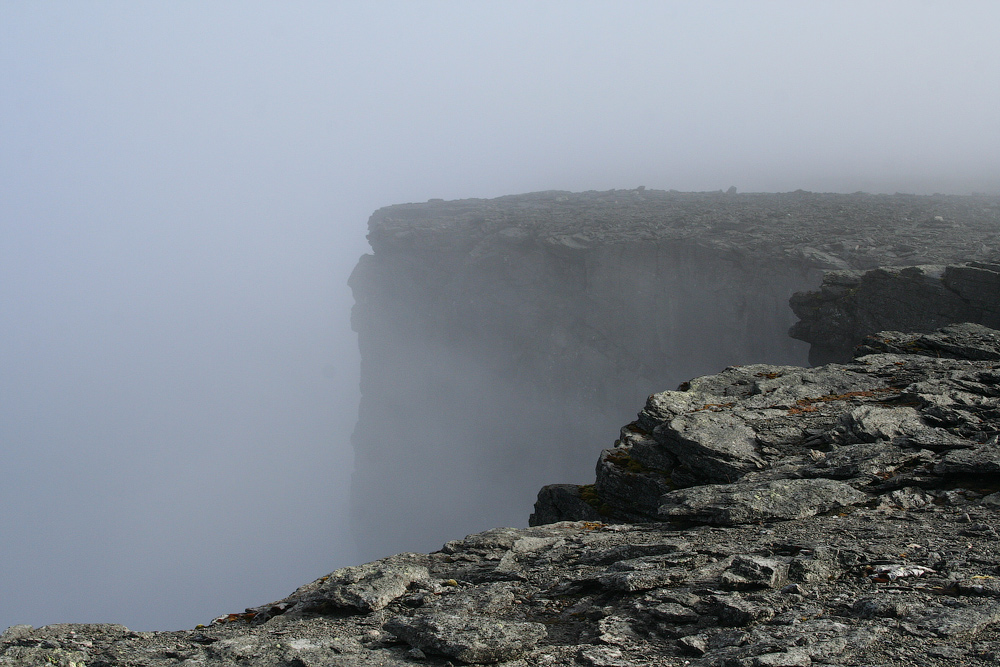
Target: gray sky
184, 188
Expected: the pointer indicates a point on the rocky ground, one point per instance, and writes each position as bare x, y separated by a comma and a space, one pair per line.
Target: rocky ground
824, 230
767, 515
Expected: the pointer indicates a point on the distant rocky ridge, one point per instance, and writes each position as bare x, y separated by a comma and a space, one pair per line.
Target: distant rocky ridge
502, 340
765, 516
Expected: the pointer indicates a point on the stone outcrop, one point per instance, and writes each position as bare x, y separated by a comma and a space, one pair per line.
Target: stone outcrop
849, 305
858, 526
503, 339
760, 443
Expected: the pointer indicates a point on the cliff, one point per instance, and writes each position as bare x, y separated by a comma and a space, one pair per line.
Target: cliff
840, 515
850, 305
503, 340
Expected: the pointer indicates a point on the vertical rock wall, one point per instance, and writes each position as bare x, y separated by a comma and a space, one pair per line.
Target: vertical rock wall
852, 304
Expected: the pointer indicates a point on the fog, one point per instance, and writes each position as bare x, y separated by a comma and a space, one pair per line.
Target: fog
184, 188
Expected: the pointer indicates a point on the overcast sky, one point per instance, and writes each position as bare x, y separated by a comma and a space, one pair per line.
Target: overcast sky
184, 188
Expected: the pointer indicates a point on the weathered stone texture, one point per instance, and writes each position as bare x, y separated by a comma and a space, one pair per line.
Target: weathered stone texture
851, 305
763, 443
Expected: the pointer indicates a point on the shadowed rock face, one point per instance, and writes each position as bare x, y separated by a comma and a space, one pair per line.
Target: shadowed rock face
861, 531
505, 341
849, 305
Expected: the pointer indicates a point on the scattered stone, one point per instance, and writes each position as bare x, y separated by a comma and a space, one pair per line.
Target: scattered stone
748, 572
694, 644
735, 611
948, 652
791, 658
882, 607
616, 630
367, 587
15, 632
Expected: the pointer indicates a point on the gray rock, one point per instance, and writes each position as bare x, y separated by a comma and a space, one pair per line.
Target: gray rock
733, 504
602, 656
469, 639
674, 613
617, 630
15, 632
714, 446
694, 644
561, 502
964, 621
41, 656
963, 340
367, 587
882, 607
749, 572
734, 610
794, 657
980, 462
642, 580
848, 308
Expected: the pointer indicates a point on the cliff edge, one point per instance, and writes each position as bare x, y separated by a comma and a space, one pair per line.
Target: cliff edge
503, 339
840, 515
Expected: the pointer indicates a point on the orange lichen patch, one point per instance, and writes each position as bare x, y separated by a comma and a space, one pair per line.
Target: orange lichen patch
245, 617
806, 404
769, 376
635, 428
593, 525
714, 407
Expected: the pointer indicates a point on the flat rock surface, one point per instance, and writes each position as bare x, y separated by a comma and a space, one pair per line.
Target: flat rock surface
825, 230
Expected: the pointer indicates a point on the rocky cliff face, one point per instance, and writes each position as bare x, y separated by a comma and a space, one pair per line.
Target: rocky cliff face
764, 443
841, 515
850, 305
504, 341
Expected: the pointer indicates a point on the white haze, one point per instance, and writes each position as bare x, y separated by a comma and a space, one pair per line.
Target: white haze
184, 188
